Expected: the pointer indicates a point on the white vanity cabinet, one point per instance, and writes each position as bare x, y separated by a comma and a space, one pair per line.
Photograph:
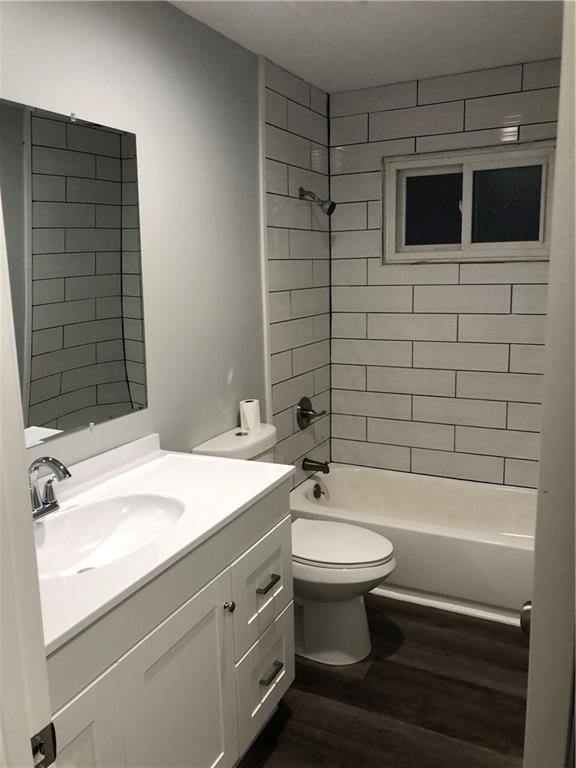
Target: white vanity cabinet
89, 728
202, 681
261, 585
263, 677
177, 687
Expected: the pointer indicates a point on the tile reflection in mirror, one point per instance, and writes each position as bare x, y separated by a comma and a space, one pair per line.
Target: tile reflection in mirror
70, 202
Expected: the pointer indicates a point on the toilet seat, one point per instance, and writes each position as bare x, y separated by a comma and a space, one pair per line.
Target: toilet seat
326, 544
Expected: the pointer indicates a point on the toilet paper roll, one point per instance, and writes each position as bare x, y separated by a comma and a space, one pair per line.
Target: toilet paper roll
249, 414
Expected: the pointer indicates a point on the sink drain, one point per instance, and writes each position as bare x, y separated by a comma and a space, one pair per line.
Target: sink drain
83, 570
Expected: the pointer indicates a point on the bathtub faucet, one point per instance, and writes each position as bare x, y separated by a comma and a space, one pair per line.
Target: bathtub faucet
311, 465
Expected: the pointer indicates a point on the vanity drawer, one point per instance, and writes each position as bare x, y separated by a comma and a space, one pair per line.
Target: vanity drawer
261, 585
263, 676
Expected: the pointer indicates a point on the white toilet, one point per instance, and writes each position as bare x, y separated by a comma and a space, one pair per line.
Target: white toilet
334, 564
238, 443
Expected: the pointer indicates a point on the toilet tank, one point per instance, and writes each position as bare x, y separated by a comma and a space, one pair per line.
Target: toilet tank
256, 444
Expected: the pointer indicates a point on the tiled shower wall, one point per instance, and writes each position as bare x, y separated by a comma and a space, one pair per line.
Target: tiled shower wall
436, 369
298, 262
82, 356
131, 268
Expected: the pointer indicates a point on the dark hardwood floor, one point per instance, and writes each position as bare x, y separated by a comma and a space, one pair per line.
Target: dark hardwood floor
439, 691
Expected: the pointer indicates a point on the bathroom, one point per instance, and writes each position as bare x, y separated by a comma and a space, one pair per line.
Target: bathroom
169, 255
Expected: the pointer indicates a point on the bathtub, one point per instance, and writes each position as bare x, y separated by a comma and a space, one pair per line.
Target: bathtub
461, 546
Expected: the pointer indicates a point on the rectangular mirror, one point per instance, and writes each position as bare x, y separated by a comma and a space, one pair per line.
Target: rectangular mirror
69, 194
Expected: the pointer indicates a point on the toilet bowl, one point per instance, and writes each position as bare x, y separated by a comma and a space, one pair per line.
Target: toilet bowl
334, 566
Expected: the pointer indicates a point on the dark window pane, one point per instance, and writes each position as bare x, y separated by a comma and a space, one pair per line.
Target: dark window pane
506, 205
433, 214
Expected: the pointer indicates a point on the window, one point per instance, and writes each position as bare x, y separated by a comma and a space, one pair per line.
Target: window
433, 214
478, 205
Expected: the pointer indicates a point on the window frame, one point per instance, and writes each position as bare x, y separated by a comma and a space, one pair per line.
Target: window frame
396, 170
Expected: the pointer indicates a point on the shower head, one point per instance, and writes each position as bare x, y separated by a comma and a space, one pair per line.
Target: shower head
326, 206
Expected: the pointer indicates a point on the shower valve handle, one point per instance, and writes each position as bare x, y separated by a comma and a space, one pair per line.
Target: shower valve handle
305, 414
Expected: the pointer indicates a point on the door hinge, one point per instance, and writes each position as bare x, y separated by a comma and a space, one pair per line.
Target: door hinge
44, 747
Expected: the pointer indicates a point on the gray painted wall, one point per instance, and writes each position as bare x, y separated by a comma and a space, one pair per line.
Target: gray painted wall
190, 95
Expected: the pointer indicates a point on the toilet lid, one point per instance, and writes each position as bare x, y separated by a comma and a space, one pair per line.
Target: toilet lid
338, 545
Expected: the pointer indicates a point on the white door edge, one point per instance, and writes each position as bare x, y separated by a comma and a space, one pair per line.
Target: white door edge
551, 671
24, 697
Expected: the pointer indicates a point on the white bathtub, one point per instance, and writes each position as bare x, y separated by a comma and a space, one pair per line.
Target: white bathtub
459, 545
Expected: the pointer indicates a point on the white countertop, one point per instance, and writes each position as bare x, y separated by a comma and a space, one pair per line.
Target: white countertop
213, 490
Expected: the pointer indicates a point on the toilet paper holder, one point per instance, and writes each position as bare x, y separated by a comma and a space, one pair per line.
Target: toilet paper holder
305, 414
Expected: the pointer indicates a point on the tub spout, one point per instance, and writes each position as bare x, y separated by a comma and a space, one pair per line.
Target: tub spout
311, 465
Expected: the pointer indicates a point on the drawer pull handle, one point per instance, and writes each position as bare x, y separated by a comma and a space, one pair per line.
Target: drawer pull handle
274, 579
277, 667
230, 606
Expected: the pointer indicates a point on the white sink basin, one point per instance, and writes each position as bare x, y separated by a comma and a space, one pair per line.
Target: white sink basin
83, 537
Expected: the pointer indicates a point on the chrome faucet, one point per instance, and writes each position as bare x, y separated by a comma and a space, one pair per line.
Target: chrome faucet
311, 465
46, 502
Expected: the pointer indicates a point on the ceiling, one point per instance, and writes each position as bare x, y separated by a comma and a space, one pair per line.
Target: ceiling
353, 44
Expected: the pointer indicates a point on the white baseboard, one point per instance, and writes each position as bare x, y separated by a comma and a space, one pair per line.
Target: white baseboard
476, 610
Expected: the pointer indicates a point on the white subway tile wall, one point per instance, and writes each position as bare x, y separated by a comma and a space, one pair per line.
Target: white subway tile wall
298, 249
131, 268
87, 361
436, 369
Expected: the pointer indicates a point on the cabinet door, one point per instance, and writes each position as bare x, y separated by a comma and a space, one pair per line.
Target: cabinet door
264, 675
89, 728
177, 687
262, 585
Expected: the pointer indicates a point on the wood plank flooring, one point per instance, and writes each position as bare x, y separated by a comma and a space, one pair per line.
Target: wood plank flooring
439, 691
